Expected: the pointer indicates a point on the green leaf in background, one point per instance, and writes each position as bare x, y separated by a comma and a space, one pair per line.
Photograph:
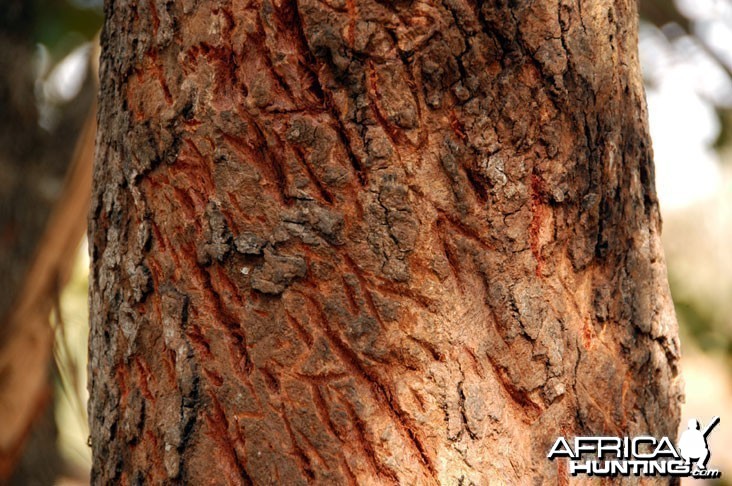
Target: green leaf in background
61, 25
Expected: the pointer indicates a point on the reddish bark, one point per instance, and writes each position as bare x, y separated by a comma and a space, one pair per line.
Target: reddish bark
362, 242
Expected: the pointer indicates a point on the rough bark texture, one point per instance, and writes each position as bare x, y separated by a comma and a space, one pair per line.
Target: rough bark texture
372, 242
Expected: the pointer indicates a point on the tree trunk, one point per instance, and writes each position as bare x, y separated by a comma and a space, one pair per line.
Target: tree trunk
366, 242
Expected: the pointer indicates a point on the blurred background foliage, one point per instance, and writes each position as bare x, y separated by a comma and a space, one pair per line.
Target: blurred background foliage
686, 55
61, 24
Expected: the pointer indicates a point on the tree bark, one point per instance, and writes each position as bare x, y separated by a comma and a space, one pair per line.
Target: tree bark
366, 242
